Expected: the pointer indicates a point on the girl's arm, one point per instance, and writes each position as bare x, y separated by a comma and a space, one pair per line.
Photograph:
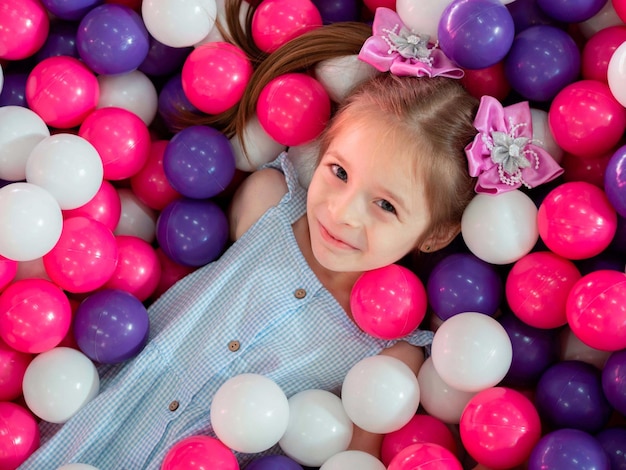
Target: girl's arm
260, 190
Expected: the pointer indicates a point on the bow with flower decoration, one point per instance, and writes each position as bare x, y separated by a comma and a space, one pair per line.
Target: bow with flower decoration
503, 155
395, 48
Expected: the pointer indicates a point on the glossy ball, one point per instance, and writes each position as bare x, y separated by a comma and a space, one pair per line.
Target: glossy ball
614, 380
568, 448
19, 435
598, 50
615, 180
24, 28
201, 452
425, 456
571, 11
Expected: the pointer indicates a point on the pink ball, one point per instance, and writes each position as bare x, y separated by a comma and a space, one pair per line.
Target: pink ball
35, 315
599, 49
293, 109
275, 22
62, 91
215, 75
425, 456
8, 270
487, 81
388, 302
537, 287
620, 8
596, 310
19, 435
421, 429
85, 256
586, 119
200, 452
105, 207
24, 27
138, 269
121, 138
499, 427
13, 365
587, 169
373, 4
576, 220
171, 272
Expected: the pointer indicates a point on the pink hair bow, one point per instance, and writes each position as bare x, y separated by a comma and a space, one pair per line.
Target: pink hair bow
503, 154
396, 49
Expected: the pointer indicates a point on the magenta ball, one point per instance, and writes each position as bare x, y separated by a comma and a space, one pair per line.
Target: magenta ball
199, 162
215, 75
111, 326
568, 449
19, 435
476, 33
192, 232
200, 452
63, 91
425, 456
293, 109
13, 365
112, 39
388, 302
24, 27
614, 380
615, 180
599, 49
105, 207
576, 220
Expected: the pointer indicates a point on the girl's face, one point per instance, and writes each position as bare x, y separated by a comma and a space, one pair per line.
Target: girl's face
365, 209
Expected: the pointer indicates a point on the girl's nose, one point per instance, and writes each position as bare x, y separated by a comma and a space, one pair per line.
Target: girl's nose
348, 209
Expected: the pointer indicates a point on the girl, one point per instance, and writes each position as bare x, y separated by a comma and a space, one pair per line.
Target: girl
391, 179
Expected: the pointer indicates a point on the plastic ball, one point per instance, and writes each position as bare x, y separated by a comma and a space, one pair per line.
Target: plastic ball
30, 221
586, 119
293, 109
273, 462
105, 207
373, 4
527, 13
177, 24
471, 351
24, 28
173, 102
61, 41
121, 138
620, 8
380, 394
569, 395
588, 169
63, 91
542, 60
201, 452
85, 256
136, 218
199, 162
476, 33
568, 448
336, 11
318, 427
58, 383
425, 456
70, 10
422, 18
500, 427
14, 89
543, 134
19, 435
573, 349
615, 180
614, 381
8, 270
339, 75
422, 428
388, 302
500, 229
598, 50
111, 326
275, 22
613, 441
138, 269
537, 287
249, 413
616, 74
215, 75
605, 18
133, 91
490, 80
13, 364
461, 282
571, 11
68, 167
163, 60
352, 459
259, 147
171, 272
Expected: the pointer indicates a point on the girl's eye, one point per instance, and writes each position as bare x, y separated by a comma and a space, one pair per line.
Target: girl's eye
387, 206
339, 172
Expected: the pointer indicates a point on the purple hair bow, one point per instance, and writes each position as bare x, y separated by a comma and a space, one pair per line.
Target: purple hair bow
396, 49
503, 155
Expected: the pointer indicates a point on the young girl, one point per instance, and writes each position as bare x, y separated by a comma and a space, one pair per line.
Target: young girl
392, 178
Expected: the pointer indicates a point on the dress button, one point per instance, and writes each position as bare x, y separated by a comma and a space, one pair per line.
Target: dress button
233, 345
174, 406
300, 293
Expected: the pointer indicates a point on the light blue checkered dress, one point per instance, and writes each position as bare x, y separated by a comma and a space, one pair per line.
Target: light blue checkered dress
248, 295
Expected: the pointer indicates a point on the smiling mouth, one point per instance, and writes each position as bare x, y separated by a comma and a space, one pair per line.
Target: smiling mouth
336, 242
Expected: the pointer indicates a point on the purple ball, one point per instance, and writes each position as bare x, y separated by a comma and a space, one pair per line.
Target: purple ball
542, 61
569, 395
571, 11
336, 11
173, 103
199, 162
618, 244
112, 39
192, 232
615, 180
273, 462
14, 89
613, 441
162, 59
61, 41
111, 326
534, 350
461, 282
614, 380
526, 13
476, 33
568, 449
72, 10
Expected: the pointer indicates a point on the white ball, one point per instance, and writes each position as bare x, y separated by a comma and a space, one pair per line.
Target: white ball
471, 351
77, 466
249, 413
353, 459
543, 134
58, 383
422, 17
318, 427
260, 148
136, 218
380, 394
340, 75
132, 91
605, 18
616, 74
